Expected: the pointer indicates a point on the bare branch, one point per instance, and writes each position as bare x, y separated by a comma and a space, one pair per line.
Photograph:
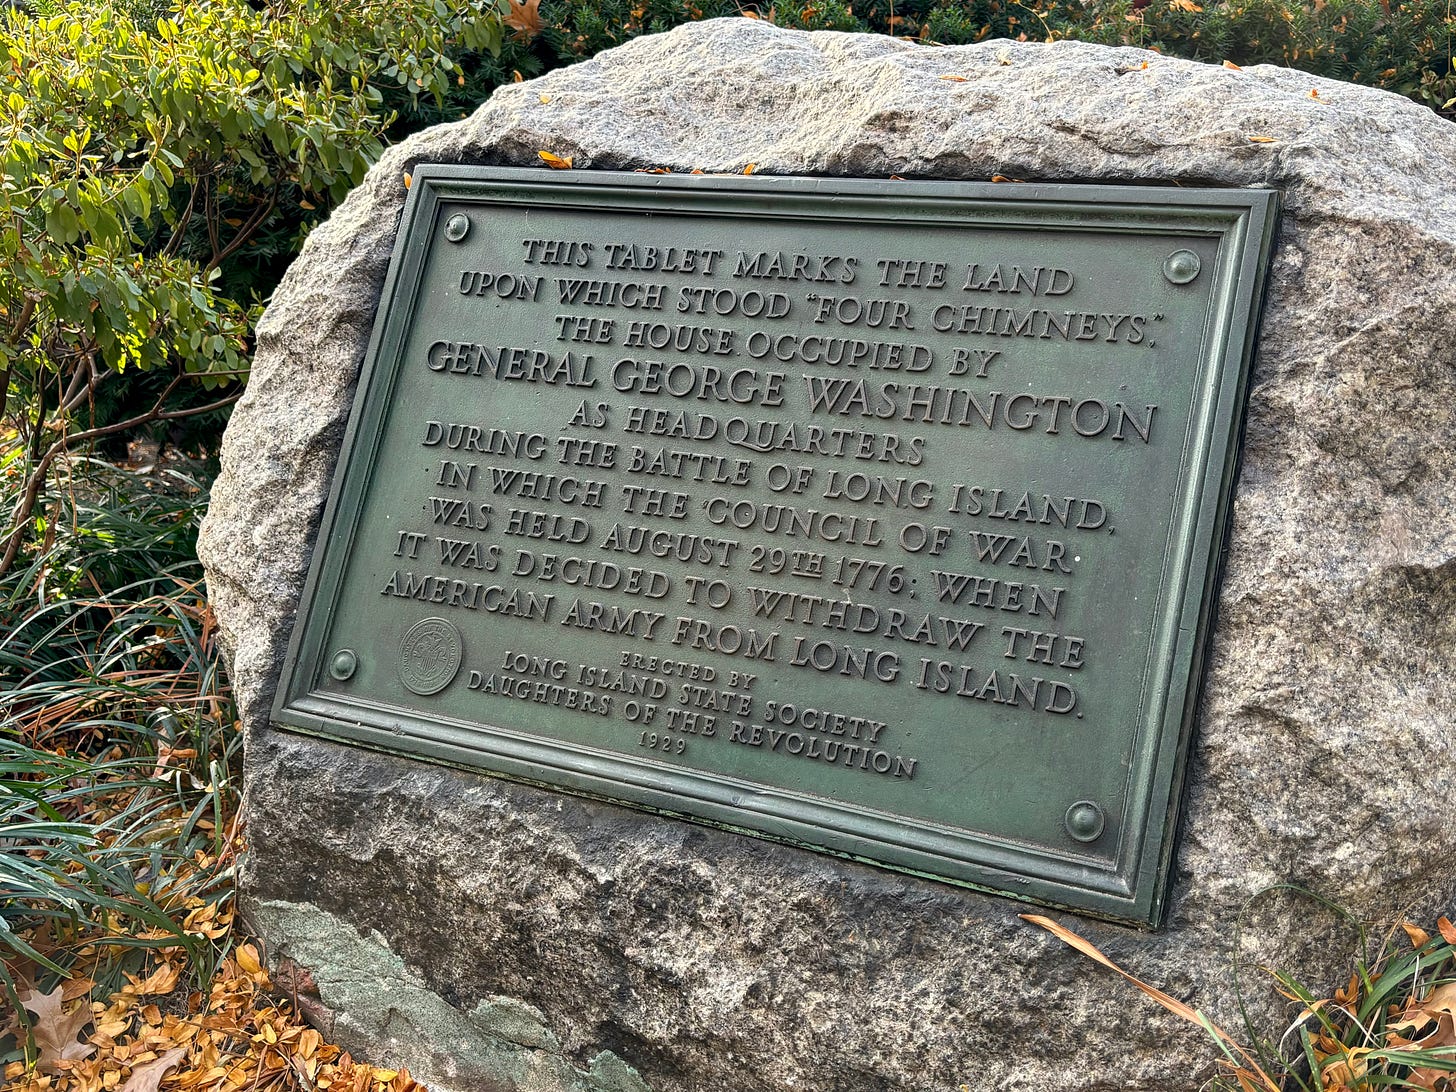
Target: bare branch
245, 232
22, 320
196, 411
80, 385
88, 390
209, 217
179, 232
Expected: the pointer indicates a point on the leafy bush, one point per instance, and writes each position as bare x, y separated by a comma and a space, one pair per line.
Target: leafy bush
1406, 48
157, 171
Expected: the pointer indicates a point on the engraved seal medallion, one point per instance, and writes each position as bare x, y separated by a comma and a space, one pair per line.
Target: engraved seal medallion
429, 656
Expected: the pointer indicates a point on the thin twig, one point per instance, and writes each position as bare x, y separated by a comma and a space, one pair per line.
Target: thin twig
174, 244
209, 214
245, 232
22, 320
88, 392
79, 383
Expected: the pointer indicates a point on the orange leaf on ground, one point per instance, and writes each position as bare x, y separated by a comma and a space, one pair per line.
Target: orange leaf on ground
248, 959
556, 162
1446, 929
161, 981
1230, 64
1350, 993
145, 1078
73, 988
1419, 938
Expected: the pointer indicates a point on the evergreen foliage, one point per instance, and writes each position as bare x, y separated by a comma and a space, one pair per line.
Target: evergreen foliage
1406, 47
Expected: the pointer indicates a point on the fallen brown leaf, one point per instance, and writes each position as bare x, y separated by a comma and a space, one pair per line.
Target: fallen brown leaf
163, 980
1439, 1004
145, 1078
1419, 938
73, 988
556, 162
1446, 929
1349, 1070
248, 958
54, 1029
1350, 992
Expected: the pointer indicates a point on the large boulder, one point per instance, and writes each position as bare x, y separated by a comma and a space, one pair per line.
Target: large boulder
492, 935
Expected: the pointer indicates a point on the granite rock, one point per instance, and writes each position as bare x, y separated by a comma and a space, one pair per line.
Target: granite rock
597, 941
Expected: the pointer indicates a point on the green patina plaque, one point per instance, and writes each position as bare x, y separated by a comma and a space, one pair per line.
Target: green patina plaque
882, 518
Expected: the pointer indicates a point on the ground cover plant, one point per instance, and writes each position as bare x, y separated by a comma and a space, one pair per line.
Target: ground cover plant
117, 740
119, 756
161, 162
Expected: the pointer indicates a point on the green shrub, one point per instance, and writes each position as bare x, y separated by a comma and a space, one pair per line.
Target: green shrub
159, 166
1404, 48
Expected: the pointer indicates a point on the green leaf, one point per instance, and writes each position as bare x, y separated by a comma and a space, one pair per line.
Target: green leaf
62, 224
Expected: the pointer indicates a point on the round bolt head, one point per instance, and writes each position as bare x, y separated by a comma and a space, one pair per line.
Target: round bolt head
1182, 266
1085, 821
457, 227
344, 664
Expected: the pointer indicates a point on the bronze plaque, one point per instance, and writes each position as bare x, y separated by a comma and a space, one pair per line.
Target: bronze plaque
882, 518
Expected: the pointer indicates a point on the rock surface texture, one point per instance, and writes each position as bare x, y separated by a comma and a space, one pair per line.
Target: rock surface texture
494, 936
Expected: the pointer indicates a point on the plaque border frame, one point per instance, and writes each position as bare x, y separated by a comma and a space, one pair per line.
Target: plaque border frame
1136, 890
